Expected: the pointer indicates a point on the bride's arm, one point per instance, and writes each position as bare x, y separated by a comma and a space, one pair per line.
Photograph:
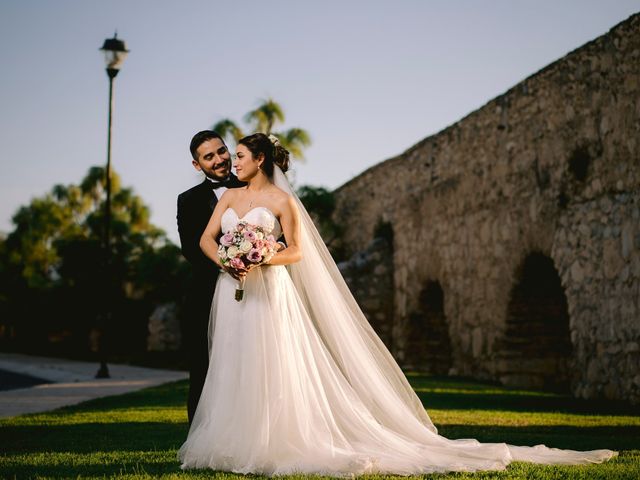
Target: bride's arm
208, 242
290, 221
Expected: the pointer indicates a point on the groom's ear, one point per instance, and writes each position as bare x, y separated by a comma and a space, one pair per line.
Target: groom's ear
196, 165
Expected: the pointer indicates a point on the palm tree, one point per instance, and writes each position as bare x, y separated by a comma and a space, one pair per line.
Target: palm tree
228, 128
265, 116
263, 119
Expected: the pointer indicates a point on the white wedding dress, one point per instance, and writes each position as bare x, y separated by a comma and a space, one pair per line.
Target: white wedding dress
296, 385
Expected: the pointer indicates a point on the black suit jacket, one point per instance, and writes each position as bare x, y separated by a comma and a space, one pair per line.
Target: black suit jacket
195, 207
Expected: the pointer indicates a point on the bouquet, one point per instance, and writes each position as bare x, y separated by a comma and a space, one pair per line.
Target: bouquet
243, 246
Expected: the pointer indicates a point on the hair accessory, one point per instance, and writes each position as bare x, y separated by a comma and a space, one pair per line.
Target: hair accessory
274, 140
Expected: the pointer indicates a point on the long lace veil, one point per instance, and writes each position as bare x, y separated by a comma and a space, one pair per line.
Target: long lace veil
356, 349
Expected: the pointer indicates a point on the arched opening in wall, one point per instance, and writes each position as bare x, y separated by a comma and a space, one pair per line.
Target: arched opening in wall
535, 350
428, 346
579, 163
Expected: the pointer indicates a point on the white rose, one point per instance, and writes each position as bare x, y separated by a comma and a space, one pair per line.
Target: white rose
232, 251
245, 246
259, 235
222, 252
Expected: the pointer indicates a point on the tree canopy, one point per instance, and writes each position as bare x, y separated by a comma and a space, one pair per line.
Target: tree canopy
51, 264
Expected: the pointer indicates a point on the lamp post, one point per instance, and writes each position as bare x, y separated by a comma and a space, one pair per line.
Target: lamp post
115, 51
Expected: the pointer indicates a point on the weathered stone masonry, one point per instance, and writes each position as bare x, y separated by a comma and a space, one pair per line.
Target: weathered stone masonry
516, 231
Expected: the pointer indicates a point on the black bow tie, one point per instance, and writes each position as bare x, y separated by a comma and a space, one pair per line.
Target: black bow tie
228, 182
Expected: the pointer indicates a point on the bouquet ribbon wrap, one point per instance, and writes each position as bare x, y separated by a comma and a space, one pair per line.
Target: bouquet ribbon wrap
240, 290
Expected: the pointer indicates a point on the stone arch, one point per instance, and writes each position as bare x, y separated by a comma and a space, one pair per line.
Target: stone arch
428, 346
535, 348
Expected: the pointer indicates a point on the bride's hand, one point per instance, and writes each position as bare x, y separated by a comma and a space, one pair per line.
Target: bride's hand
236, 273
239, 273
251, 266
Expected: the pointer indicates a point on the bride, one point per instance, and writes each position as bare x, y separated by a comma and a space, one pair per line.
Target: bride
298, 381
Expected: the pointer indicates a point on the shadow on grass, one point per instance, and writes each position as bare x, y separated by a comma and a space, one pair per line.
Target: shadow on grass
115, 468
447, 393
575, 438
109, 437
93, 437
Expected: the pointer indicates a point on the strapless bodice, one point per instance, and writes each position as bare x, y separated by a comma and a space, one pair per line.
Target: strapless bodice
260, 216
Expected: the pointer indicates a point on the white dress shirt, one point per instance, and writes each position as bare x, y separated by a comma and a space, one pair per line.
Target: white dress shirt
218, 191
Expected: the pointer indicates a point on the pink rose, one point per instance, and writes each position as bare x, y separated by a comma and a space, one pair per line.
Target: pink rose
236, 263
227, 239
249, 235
259, 244
254, 256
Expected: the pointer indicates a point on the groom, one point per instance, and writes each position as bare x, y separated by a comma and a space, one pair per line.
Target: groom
211, 157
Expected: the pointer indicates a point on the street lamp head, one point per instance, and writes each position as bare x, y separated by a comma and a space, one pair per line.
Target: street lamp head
115, 51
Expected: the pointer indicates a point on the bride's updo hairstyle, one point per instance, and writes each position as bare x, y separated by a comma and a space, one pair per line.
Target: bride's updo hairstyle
274, 153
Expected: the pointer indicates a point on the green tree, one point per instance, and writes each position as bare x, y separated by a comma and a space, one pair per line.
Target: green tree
321, 203
264, 118
52, 263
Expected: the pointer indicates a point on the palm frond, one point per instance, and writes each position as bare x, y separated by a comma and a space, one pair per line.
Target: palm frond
295, 140
265, 116
228, 129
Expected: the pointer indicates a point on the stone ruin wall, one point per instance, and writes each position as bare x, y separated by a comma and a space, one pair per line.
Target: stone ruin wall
516, 231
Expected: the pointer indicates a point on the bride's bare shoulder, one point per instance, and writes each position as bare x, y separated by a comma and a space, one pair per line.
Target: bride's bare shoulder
230, 195
278, 195
283, 200
234, 192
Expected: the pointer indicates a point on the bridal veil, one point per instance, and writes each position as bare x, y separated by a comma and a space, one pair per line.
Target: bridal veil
353, 344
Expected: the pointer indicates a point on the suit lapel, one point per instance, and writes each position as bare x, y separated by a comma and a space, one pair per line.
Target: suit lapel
210, 194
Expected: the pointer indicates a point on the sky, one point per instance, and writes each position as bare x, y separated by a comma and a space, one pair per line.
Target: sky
367, 80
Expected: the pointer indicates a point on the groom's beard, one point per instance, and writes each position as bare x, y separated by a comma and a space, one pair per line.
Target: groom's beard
220, 176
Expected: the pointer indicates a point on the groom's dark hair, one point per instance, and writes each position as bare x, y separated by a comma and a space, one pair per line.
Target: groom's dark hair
201, 137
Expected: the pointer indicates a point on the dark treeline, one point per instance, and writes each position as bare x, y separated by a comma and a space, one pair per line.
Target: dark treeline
54, 287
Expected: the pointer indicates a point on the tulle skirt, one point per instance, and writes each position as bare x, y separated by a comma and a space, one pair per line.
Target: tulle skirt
275, 403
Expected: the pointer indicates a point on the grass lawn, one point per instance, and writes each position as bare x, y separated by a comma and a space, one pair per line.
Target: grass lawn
137, 435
